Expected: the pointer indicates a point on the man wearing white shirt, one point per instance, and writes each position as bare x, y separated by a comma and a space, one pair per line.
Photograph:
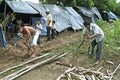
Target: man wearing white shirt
39, 30
48, 24
96, 35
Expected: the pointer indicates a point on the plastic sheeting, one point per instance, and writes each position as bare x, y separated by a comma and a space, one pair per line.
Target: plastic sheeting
61, 19
92, 13
112, 15
21, 7
75, 19
64, 17
96, 12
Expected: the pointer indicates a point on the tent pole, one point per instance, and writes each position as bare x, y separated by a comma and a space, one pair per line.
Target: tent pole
4, 19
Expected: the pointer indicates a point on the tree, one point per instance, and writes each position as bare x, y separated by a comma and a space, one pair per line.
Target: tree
117, 9
85, 3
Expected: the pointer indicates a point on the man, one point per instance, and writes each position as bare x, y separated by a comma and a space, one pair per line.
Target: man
48, 24
39, 29
30, 38
53, 29
96, 36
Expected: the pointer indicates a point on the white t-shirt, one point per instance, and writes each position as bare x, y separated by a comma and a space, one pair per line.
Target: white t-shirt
38, 28
93, 30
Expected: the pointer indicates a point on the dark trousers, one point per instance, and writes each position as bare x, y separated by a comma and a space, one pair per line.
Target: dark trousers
48, 33
98, 50
52, 33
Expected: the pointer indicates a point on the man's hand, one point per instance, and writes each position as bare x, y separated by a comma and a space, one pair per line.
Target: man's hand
89, 36
92, 36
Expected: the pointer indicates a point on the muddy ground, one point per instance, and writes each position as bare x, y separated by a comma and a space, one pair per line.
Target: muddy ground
15, 54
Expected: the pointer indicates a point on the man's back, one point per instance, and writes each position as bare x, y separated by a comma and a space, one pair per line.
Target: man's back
28, 30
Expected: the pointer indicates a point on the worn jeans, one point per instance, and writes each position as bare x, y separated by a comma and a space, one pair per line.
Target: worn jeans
98, 50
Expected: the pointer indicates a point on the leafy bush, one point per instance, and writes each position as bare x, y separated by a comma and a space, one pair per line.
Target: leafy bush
112, 31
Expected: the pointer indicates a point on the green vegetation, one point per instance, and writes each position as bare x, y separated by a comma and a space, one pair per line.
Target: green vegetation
111, 42
108, 5
112, 31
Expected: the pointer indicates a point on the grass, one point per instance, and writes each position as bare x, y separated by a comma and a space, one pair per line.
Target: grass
111, 43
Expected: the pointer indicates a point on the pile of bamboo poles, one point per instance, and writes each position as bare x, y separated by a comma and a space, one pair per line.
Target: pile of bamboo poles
80, 73
26, 69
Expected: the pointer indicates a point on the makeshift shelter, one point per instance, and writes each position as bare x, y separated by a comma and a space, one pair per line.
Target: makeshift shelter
64, 17
21, 7
112, 16
75, 19
91, 14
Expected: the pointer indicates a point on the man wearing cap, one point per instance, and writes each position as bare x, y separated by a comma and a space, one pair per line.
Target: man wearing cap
48, 24
96, 35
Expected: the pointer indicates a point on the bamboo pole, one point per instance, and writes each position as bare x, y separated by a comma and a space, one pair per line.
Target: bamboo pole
114, 72
4, 18
24, 63
29, 68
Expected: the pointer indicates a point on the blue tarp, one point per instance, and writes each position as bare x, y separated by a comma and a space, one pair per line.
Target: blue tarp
64, 17
21, 7
112, 15
75, 19
3, 42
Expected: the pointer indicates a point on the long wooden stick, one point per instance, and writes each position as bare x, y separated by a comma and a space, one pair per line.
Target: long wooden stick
114, 72
24, 63
29, 48
40, 64
27, 69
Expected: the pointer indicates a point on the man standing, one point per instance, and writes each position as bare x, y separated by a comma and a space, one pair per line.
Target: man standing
48, 24
39, 29
30, 38
53, 29
96, 36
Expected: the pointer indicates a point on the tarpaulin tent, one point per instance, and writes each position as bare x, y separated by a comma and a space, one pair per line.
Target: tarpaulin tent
75, 19
108, 16
91, 14
61, 21
112, 16
63, 17
21, 7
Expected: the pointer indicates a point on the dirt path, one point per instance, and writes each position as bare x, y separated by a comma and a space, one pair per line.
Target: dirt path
14, 53
13, 56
